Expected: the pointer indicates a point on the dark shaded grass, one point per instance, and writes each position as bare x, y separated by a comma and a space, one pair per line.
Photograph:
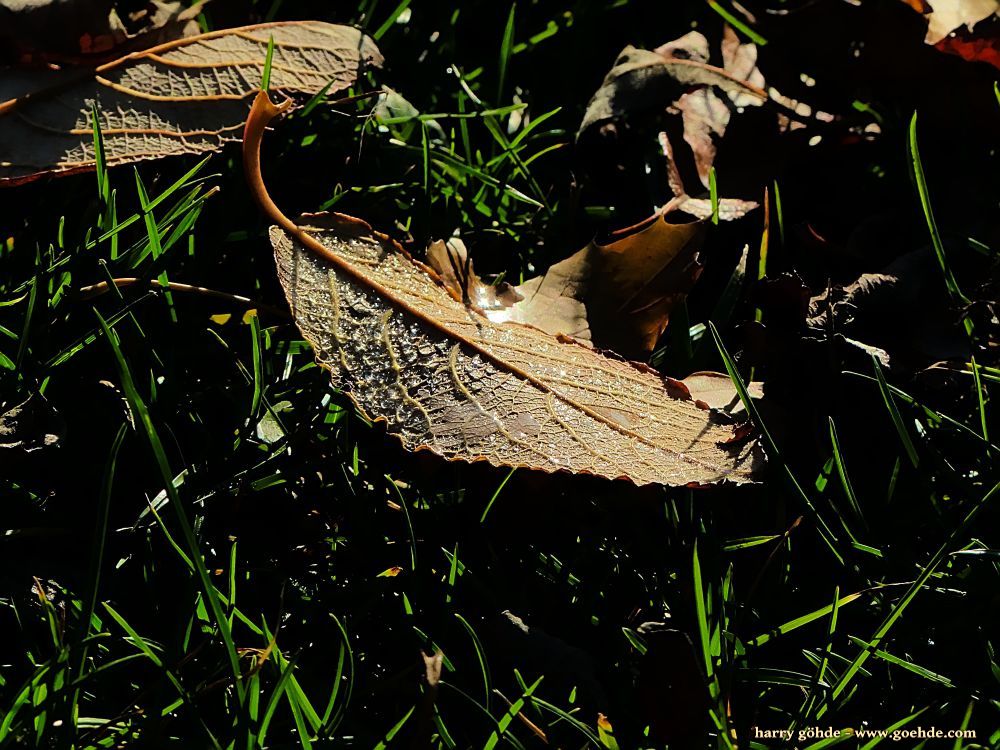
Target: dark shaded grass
298, 547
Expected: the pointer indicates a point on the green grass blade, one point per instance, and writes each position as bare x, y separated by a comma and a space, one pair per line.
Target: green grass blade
484, 667
145, 420
897, 419
925, 203
897, 610
515, 708
826, 534
506, 47
265, 78
737, 23
845, 480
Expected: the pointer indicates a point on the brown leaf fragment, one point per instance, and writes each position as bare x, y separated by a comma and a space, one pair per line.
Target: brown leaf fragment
706, 113
946, 16
184, 97
450, 259
618, 296
88, 31
446, 379
642, 81
715, 390
29, 426
730, 209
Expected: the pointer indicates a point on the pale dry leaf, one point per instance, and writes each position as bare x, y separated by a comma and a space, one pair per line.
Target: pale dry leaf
446, 379
729, 209
716, 391
740, 61
705, 117
185, 97
89, 31
643, 81
706, 112
947, 16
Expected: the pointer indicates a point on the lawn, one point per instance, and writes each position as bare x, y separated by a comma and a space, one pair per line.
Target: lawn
206, 544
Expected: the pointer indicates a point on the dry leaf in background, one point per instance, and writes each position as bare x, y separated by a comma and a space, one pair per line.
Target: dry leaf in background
946, 16
642, 82
38, 31
445, 378
967, 28
185, 97
678, 78
616, 296
706, 113
729, 209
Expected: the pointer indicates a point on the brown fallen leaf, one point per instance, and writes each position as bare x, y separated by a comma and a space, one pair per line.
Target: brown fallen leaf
704, 112
185, 97
946, 16
617, 296
84, 31
445, 378
715, 390
642, 81
729, 209
450, 259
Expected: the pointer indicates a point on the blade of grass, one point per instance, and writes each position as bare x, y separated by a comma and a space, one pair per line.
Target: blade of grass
897, 419
896, 612
387, 24
332, 720
925, 203
737, 24
845, 480
506, 45
145, 420
504, 723
826, 534
265, 78
981, 399
484, 667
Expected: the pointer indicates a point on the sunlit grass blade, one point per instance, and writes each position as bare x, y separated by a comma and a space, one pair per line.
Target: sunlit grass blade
484, 667
388, 22
897, 419
907, 665
845, 480
737, 23
805, 619
504, 722
506, 50
265, 78
980, 399
925, 202
335, 711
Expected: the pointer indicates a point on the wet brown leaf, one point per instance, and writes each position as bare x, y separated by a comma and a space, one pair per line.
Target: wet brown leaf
184, 97
446, 379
